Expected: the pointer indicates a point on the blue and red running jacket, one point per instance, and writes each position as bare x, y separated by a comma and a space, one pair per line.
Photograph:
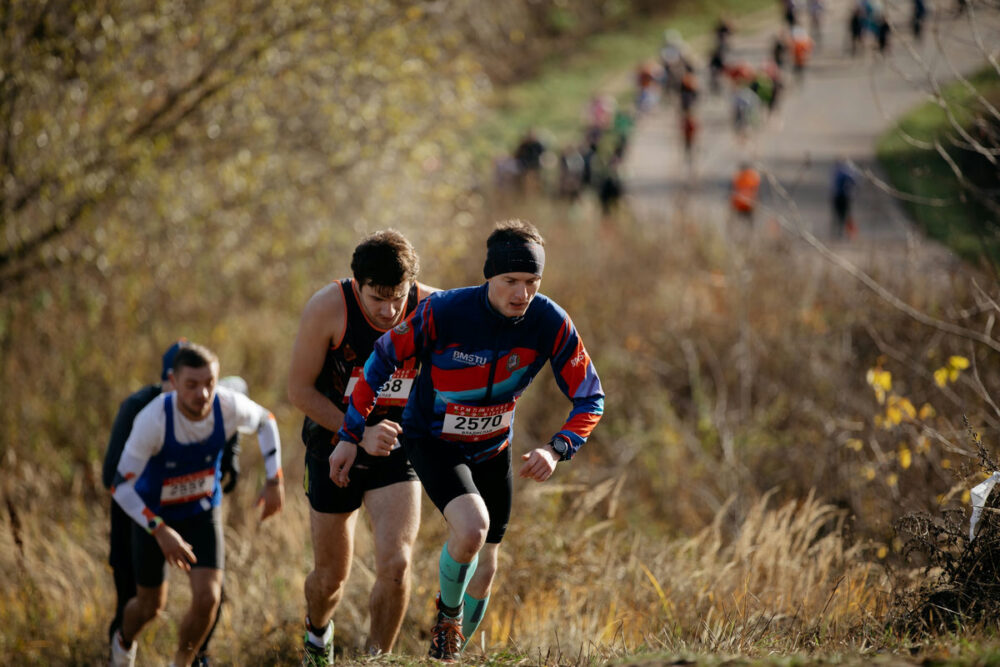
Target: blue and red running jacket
475, 364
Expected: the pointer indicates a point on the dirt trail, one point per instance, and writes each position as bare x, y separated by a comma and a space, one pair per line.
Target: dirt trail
840, 108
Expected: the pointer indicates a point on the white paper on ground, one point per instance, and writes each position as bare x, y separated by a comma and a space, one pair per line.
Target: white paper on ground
979, 495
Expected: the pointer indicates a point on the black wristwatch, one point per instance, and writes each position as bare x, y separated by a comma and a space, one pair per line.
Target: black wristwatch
560, 446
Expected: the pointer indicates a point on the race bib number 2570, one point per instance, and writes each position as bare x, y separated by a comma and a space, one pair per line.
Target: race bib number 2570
470, 424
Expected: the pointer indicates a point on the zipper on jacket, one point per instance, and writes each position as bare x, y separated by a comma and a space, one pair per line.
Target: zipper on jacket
493, 368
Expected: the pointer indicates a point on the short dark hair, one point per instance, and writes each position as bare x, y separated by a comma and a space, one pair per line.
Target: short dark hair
385, 259
193, 355
515, 231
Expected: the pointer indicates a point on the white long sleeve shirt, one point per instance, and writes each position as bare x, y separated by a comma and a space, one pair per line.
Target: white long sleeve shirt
239, 413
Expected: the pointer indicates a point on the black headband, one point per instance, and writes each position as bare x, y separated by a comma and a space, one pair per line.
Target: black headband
514, 258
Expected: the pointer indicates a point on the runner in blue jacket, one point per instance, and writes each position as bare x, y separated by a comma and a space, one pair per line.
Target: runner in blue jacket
479, 348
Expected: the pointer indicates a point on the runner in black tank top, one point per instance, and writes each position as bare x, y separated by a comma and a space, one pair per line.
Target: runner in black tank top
337, 333
343, 365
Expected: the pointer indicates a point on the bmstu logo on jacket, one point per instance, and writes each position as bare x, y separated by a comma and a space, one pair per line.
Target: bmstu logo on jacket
469, 359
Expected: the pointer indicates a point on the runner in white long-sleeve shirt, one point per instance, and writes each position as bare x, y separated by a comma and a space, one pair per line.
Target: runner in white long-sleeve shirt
168, 482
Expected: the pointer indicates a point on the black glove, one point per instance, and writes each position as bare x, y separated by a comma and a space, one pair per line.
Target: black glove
230, 465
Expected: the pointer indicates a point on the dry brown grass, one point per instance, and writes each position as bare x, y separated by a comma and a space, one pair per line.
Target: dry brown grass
718, 510
600, 591
786, 576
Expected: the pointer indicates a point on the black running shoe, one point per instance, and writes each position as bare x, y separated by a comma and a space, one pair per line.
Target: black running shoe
446, 637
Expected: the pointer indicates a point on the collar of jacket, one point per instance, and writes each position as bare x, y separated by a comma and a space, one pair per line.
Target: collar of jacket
498, 317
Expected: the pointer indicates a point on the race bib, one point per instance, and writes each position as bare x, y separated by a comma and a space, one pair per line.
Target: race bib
466, 423
394, 392
186, 488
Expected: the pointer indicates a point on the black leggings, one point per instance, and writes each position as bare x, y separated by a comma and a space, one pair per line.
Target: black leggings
447, 474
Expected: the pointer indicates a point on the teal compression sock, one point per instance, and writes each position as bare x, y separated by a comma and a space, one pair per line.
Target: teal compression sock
474, 610
454, 577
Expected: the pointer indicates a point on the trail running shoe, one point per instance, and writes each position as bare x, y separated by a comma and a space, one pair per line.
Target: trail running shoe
317, 656
446, 637
120, 656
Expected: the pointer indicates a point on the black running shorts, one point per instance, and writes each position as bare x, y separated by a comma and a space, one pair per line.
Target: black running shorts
203, 532
368, 472
446, 474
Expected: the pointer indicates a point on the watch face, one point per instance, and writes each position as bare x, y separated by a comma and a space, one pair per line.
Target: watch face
560, 446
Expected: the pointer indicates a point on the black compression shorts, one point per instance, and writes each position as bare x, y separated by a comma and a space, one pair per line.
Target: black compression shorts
446, 474
203, 532
367, 473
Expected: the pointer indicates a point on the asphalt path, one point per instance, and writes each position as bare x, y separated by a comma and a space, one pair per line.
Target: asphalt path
840, 108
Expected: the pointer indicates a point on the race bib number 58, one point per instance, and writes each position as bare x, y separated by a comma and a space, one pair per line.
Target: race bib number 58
470, 424
394, 392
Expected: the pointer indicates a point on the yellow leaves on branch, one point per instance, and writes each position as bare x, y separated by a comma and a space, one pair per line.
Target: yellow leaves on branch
880, 381
898, 408
951, 370
905, 457
958, 362
869, 472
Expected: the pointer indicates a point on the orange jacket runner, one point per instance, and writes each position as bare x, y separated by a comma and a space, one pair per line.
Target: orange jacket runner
745, 185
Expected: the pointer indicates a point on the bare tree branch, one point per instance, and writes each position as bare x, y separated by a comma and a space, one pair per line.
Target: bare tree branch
871, 283
180, 104
56, 228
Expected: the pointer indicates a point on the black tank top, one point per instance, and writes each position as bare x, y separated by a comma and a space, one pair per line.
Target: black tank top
344, 363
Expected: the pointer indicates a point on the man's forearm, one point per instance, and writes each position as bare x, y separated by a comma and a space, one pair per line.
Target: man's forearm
270, 446
318, 408
125, 494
